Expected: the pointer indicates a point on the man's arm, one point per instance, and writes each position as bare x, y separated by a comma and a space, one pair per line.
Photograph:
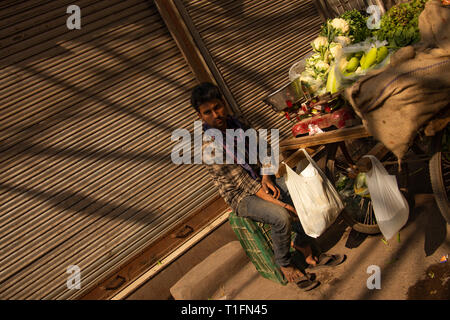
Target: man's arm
268, 197
269, 190
268, 186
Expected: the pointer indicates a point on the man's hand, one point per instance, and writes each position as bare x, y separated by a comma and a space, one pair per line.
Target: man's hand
267, 186
268, 197
291, 209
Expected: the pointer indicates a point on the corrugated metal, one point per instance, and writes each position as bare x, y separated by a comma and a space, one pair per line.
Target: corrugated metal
254, 44
86, 118
334, 8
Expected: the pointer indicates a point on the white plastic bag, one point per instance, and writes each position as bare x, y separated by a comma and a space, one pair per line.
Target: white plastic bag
389, 205
316, 201
364, 46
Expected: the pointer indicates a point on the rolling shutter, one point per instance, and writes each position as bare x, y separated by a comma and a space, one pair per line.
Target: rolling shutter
334, 8
254, 44
86, 118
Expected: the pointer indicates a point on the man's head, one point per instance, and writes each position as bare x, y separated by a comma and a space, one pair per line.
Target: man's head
207, 100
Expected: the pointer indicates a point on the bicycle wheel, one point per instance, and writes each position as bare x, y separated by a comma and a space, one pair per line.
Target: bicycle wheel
439, 166
341, 158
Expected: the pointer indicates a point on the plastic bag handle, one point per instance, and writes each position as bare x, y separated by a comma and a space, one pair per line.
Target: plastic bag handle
311, 160
324, 177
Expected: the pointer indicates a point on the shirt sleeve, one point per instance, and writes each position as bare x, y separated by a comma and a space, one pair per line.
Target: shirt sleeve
267, 168
232, 179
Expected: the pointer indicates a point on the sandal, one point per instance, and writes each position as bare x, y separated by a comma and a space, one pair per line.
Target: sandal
328, 260
306, 283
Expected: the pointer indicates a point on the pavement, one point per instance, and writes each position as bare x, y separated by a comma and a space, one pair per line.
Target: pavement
409, 265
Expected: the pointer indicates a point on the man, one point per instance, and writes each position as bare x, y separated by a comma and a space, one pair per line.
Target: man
251, 194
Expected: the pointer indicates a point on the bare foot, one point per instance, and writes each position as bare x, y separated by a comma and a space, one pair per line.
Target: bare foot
291, 273
311, 260
307, 252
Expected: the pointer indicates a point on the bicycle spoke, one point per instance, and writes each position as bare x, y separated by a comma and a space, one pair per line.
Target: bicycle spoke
361, 207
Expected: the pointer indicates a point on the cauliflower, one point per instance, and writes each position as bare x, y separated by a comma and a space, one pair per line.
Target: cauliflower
309, 71
340, 24
320, 43
307, 78
313, 80
344, 41
311, 61
335, 49
315, 57
322, 66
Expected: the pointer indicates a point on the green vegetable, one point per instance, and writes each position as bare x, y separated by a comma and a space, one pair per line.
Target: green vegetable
358, 25
341, 182
332, 84
343, 65
371, 59
360, 186
399, 26
382, 53
358, 30
352, 65
362, 60
358, 54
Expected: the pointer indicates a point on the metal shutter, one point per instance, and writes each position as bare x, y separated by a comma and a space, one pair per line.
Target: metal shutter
86, 118
254, 44
334, 8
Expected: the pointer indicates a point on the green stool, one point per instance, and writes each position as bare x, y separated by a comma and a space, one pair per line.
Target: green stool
257, 243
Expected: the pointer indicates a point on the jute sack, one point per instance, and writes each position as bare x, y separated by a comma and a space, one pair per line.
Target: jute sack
395, 101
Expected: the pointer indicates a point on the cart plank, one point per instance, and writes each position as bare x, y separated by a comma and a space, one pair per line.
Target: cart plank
324, 138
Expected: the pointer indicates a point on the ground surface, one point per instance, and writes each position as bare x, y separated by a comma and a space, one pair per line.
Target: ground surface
410, 267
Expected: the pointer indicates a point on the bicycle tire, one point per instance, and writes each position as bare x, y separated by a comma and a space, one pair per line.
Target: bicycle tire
439, 167
331, 170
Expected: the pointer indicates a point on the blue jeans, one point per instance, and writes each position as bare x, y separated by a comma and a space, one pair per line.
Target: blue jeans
278, 218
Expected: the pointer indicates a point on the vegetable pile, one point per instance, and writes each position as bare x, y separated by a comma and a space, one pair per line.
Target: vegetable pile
335, 34
398, 28
361, 61
400, 25
358, 30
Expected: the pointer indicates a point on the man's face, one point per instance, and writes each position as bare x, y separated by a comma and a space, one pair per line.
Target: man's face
214, 114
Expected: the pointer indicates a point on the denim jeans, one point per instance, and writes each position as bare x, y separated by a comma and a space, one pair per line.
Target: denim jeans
278, 218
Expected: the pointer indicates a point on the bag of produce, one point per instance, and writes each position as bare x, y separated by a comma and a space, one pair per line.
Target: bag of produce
389, 205
396, 101
357, 60
316, 201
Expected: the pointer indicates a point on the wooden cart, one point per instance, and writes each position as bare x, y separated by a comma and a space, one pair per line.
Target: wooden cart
339, 153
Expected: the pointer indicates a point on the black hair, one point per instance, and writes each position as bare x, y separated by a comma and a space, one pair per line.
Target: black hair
204, 92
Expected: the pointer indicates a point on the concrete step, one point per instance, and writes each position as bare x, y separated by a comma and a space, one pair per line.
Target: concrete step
205, 279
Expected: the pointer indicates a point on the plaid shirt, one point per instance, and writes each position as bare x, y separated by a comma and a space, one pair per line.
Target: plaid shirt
234, 183
232, 180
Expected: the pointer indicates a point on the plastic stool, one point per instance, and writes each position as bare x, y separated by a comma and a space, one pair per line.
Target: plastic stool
257, 243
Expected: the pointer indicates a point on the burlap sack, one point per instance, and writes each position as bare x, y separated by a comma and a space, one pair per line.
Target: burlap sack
397, 100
